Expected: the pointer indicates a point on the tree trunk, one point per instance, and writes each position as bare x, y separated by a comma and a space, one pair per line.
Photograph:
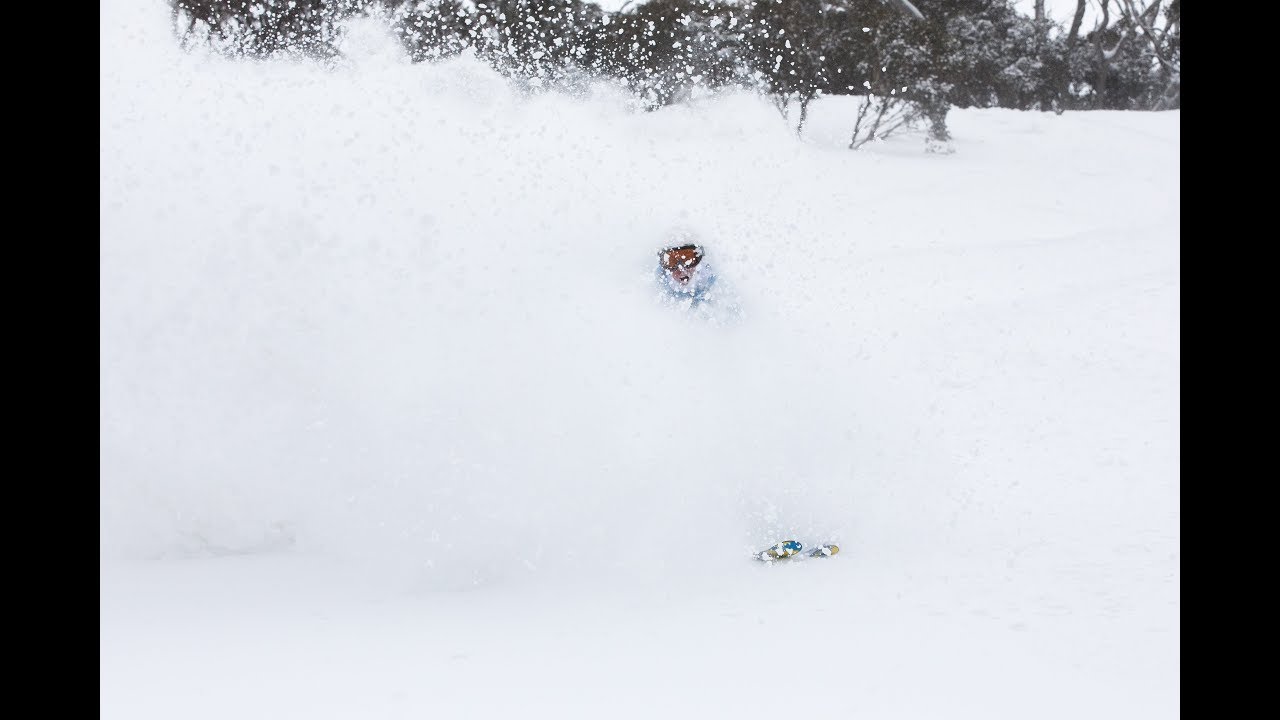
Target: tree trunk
939, 139
1074, 33
804, 113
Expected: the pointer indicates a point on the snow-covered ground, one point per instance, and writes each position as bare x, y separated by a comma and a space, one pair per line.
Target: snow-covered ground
392, 427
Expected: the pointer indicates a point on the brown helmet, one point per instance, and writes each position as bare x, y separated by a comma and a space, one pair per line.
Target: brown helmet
686, 257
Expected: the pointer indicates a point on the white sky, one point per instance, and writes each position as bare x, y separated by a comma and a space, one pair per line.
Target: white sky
392, 427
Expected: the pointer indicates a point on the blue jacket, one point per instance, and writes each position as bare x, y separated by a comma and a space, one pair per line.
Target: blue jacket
701, 297
696, 293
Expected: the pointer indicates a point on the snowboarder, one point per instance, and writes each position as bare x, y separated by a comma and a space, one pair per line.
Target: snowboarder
683, 275
687, 279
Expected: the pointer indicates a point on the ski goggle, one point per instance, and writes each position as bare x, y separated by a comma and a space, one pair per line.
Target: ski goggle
685, 257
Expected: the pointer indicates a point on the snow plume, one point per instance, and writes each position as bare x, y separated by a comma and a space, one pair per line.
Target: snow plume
404, 314
373, 332
398, 313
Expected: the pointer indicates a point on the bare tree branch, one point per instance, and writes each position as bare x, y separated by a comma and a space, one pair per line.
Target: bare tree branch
1142, 18
891, 114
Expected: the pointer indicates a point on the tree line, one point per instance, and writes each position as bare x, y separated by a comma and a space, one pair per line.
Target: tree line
908, 60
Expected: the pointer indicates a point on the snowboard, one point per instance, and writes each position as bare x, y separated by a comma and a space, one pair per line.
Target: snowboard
792, 548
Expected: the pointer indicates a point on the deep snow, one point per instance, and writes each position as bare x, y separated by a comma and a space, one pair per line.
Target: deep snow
392, 426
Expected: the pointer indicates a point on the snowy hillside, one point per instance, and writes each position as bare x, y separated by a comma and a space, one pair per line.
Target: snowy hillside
393, 427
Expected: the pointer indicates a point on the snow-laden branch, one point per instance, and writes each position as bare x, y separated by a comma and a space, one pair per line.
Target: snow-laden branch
906, 7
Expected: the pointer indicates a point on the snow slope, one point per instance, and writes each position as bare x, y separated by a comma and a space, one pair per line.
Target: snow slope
391, 425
